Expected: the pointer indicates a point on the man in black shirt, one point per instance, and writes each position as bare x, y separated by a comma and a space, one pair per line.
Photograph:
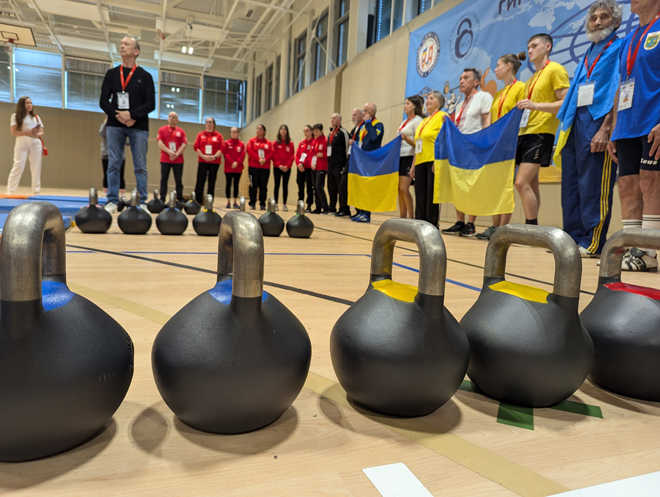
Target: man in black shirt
337, 166
127, 97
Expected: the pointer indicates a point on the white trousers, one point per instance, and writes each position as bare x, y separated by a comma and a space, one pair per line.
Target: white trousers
26, 147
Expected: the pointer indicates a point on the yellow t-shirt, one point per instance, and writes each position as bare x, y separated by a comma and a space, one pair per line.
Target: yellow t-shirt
428, 131
552, 77
508, 97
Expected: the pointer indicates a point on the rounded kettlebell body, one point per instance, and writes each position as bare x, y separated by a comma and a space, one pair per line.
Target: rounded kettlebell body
93, 219
300, 226
397, 350
528, 347
234, 359
134, 221
155, 205
271, 222
192, 207
624, 323
207, 223
66, 365
171, 222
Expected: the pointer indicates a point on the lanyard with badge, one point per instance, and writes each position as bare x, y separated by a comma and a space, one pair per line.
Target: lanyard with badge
172, 144
420, 141
627, 89
525, 117
122, 98
332, 137
208, 149
463, 107
503, 97
587, 90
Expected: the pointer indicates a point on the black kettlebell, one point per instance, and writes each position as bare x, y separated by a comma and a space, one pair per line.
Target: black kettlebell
172, 221
300, 226
528, 346
207, 222
65, 364
93, 218
241, 204
134, 220
398, 350
234, 359
122, 203
155, 205
271, 222
623, 321
192, 207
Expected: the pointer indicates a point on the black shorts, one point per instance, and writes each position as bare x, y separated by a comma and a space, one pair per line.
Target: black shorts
535, 149
405, 164
635, 154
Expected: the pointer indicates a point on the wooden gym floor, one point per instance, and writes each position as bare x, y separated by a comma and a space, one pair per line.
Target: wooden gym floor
471, 446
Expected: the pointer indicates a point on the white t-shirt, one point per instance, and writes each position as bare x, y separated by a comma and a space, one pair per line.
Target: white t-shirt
409, 131
29, 122
479, 104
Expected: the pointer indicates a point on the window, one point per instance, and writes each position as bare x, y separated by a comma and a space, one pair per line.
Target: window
383, 19
258, 90
223, 100
38, 75
154, 75
397, 15
180, 93
341, 30
423, 6
84, 79
278, 69
321, 47
299, 67
269, 87
5, 77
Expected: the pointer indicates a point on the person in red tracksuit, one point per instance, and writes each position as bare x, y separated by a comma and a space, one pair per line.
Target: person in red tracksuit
320, 168
208, 146
283, 155
304, 165
259, 152
234, 152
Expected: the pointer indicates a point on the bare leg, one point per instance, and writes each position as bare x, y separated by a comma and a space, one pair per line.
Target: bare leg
632, 200
504, 219
405, 198
526, 183
460, 216
649, 184
496, 219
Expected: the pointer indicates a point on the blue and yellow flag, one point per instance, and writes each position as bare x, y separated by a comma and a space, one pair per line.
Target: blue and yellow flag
373, 177
475, 172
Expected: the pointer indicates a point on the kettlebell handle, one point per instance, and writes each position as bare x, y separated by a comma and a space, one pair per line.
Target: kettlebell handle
209, 203
568, 264
241, 204
135, 198
616, 245
172, 202
432, 253
93, 197
301, 208
271, 205
33, 247
241, 254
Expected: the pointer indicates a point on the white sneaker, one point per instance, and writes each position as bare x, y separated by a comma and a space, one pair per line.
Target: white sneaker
285, 208
638, 260
111, 208
585, 254
145, 208
277, 207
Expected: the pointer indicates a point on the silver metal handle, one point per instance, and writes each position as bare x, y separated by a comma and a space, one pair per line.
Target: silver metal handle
432, 253
193, 196
568, 264
241, 204
271, 205
209, 203
135, 198
156, 195
172, 203
616, 245
33, 246
93, 197
301, 208
241, 254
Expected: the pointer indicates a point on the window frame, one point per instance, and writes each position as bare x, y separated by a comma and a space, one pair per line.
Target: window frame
199, 88
269, 87
318, 48
276, 85
239, 98
300, 63
67, 83
258, 93
341, 20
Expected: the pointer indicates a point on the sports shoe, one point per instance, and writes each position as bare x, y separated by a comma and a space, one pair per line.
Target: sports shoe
236, 206
454, 230
316, 211
343, 214
468, 230
252, 206
327, 213
111, 207
308, 210
145, 208
363, 218
639, 260
228, 205
263, 207
277, 207
285, 208
585, 254
485, 235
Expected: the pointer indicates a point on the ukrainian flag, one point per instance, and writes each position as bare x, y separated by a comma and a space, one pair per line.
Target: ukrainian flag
373, 177
475, 172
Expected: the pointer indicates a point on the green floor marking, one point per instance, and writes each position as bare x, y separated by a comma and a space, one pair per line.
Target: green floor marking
521, 417
468, 386
579, 408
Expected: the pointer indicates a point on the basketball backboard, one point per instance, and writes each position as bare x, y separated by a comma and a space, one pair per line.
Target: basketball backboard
18, 35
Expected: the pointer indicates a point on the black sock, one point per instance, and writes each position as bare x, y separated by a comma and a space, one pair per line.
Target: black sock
532, 221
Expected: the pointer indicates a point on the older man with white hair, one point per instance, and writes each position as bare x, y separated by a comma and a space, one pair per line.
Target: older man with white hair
588, 173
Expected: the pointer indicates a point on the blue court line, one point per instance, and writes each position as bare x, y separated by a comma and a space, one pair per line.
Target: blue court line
216, 253
80, 252
453, 282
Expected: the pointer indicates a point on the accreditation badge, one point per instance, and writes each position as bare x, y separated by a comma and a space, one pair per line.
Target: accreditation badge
122, 101
525, 118
172, 147
262, 154
314, 161
208, 149
586, 94
329, 150
626, 92
418, 146
302, 158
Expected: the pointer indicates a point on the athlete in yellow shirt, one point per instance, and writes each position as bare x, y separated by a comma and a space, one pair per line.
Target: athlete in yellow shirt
505, 100
544, 93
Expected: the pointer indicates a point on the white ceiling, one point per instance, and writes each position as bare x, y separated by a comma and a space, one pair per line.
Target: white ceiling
224, 34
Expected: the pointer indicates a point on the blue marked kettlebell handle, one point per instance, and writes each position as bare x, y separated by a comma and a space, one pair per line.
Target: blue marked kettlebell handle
568, 264
616, 245
33, 247
432, 253
241, 254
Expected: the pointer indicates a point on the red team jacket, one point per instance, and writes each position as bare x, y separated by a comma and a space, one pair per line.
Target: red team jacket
255, 144
172, 138
212, 139
283, 154
320, 153
305, 147
234, 151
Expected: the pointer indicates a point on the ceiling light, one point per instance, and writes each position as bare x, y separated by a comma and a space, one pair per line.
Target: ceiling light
173, 89
190, 50
183, 49
178, 90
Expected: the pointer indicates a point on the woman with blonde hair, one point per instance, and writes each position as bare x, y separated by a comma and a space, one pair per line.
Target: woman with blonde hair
28, 129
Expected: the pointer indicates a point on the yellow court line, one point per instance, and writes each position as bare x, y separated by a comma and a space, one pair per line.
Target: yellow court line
475, 458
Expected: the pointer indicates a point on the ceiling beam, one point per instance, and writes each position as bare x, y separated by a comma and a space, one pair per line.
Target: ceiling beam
221, 36
162, 42
267, 6
57, 42
105, 32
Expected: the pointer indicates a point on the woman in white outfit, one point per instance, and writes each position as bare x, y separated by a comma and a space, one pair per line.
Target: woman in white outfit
28, 129
413, 107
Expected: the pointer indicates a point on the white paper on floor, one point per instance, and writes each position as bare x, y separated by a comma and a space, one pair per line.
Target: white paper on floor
637, 486
396, 480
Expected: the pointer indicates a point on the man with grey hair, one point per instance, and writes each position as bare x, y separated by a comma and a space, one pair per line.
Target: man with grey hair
588, 173
127, 98
338, 167
370, 138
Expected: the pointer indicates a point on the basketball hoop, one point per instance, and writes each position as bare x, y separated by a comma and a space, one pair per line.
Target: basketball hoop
9, 46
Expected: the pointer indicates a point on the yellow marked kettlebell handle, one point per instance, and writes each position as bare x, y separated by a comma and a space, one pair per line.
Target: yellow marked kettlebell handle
525, 292
398, 291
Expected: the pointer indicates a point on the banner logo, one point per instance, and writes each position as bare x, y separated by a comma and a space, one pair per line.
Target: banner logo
427, 54
464, 36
